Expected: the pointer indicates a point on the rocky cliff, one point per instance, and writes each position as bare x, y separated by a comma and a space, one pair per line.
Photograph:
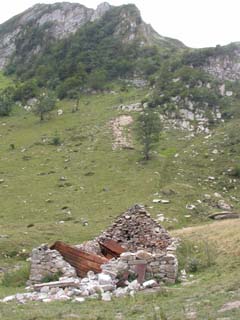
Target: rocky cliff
225, 66
51, 21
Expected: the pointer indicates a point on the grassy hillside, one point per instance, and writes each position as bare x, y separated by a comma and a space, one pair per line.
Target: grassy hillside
73, 190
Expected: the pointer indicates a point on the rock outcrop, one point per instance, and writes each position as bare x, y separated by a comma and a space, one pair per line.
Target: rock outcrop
225, 66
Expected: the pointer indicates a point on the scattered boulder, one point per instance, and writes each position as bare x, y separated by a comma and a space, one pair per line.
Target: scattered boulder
104, 279
190, 206
131, 107
163, 201
106, 296
223, 205
79, 299
150, 284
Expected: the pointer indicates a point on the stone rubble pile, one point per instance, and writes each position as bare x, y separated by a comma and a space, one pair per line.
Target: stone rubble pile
91, 246
102, 286
136, 230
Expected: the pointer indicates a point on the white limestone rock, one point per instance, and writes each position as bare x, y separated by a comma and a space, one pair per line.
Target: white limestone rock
106, 296
104, 279
150, 284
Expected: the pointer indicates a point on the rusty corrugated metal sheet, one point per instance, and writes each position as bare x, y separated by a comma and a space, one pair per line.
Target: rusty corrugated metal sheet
111, 249
82, 261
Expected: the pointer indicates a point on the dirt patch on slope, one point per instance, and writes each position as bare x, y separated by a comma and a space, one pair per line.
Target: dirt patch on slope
121, 132
230, 306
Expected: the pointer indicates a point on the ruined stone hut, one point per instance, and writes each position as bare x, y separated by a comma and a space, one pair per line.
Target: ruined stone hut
133, 243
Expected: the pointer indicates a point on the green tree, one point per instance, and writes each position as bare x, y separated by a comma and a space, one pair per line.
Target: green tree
148, 130
26, 90
6, 103
46, 102
97, 79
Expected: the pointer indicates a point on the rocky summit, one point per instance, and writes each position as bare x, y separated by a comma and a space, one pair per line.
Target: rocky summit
54, 21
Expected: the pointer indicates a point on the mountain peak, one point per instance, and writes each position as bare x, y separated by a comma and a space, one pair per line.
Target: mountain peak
34, 29
102, 8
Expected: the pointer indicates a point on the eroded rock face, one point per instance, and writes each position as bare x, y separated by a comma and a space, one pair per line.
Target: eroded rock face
225, 67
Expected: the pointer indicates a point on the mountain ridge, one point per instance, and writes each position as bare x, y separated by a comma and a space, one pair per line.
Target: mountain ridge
59, 20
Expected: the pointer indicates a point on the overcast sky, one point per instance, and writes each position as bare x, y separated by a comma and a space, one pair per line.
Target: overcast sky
197, 23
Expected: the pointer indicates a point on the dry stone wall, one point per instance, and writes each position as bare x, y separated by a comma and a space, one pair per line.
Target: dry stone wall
161, 266
48, 263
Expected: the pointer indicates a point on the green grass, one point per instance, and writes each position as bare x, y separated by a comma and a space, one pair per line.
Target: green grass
4, 81
99, 185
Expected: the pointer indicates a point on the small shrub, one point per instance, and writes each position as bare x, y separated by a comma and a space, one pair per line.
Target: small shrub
16, 278
235, 172
195, 256
6, 103
132, 276
52, 277
56, 141
12, 254
46, 102
193, 264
